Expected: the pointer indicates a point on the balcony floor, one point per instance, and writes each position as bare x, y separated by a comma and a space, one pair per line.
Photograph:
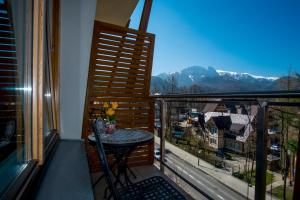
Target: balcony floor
67, 175
144, 172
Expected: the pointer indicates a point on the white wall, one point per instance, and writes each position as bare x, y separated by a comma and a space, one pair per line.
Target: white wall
77, 18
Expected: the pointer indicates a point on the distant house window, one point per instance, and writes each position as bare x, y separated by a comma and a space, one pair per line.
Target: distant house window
213, 130
213, 141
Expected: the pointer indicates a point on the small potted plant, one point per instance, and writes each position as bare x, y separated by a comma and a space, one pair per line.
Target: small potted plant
110, 115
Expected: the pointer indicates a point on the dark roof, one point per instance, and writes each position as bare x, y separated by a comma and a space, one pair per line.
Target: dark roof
201, 119
229, 135
231, 107
244, 110
236, 127
222, 122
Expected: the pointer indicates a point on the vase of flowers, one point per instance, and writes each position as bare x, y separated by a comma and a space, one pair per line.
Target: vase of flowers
110, 115
110, 128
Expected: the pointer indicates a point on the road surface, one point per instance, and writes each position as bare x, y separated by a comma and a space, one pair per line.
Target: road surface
200, 179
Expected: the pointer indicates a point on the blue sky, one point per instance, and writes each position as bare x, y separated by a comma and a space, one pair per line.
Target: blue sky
261, 37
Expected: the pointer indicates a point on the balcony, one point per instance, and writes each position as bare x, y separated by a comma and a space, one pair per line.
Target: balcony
184, 165
201, 147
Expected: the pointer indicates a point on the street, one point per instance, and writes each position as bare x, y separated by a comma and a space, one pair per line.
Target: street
204, 182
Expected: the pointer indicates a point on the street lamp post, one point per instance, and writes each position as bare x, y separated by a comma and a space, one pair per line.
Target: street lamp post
199, 157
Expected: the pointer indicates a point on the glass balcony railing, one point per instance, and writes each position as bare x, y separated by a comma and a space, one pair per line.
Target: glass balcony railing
229, 146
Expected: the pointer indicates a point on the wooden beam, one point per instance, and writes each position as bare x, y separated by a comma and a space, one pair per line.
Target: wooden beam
145, 16
37, 81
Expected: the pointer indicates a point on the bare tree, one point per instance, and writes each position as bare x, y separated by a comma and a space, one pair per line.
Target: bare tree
195, 88
155, 89
172, 83
184, 90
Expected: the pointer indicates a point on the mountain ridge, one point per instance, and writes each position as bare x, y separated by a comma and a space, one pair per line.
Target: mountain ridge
208, 79
213, 71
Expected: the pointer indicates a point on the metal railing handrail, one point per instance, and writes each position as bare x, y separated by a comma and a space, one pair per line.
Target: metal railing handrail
240, 95
264, 99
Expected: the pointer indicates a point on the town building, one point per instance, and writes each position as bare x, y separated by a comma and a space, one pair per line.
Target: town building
231, 131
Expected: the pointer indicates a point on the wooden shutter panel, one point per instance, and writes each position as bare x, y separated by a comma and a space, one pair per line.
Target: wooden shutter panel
120, 71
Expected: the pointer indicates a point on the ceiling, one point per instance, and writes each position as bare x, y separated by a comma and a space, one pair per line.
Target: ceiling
115, 11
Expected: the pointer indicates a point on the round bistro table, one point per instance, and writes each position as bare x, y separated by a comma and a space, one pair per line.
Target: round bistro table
121, 143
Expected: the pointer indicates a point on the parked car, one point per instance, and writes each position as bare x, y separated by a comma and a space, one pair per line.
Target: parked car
194, 116
178, 132
183, 117
157, 153
157, 123
275, 149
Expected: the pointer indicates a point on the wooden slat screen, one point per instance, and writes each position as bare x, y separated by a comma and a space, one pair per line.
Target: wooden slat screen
120, 71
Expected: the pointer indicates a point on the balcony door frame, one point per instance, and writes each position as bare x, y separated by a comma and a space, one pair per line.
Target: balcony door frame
38, 143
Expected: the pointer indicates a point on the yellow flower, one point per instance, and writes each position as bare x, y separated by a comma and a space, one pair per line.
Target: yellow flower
114, 105
105, 105
110, 112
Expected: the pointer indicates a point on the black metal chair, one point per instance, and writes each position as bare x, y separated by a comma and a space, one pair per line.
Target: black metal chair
155, 187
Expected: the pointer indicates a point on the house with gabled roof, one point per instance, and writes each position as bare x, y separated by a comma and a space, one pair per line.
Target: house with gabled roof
231, 131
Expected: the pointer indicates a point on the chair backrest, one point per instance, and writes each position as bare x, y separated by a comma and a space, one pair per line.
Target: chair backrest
96, 126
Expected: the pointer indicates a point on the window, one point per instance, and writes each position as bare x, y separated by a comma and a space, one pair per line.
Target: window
15, 89
213, 141
28, 87
213, 130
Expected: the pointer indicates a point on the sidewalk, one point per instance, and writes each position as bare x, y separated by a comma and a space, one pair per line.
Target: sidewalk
219, 174
274, 185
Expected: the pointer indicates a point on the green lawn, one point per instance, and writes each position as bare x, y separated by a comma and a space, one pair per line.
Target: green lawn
246, 175
278, 192
270, 178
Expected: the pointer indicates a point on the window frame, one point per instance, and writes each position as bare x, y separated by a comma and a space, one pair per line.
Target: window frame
37, 81
39, 144
37, 149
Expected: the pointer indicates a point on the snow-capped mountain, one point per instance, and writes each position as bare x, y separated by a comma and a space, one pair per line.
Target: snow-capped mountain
239, 76
209, 79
